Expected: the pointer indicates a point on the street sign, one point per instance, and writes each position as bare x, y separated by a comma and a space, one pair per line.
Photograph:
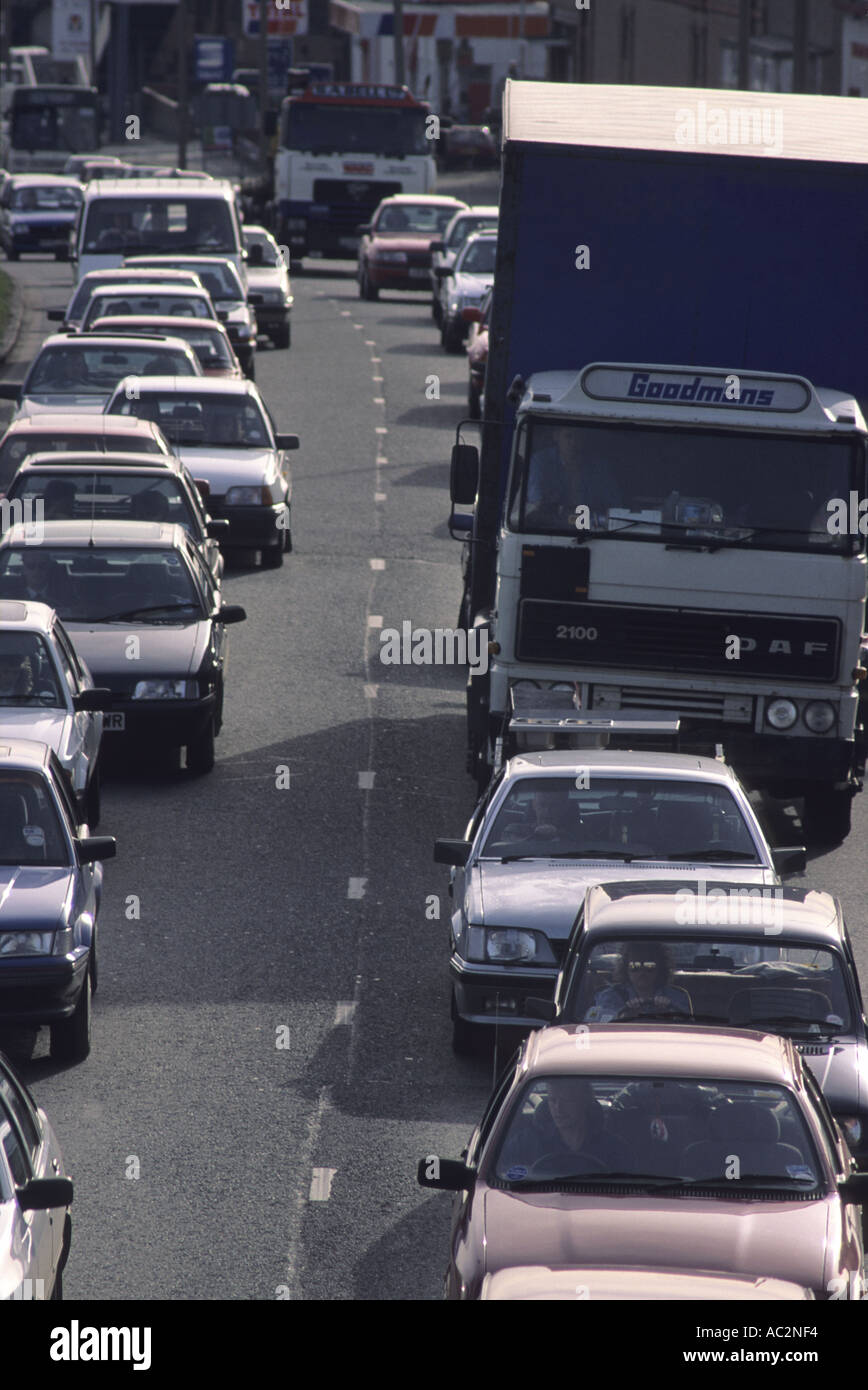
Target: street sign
213, 59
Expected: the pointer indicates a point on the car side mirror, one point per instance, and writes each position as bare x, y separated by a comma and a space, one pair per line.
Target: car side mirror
445, 1174
790, 859
437, 246
443, 272
43, 1194
454, 852
215, 527
460, 525
464, 474
10, 390
287, 441
230, 613
364, 228
55, 315
99, 698
96, 847
854, 1190
203, 487
543, 1009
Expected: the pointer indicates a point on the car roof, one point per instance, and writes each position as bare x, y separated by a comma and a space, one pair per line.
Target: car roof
197, 385
634, 1282
65, 460
480, 210
157, 535
166, 287
138, 262
110, 340
435, 199
154, 323
19, 180
116, 273
620, 762
255, 229
23, 753
637, 1050
81, 422
146, 187
26, 614
645, 907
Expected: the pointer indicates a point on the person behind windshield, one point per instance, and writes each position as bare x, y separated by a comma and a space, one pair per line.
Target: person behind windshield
640, 986
565, 1134
16, 676
544, 816
553, 490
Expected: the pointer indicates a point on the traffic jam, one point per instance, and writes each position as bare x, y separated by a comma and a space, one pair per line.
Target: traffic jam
656, 649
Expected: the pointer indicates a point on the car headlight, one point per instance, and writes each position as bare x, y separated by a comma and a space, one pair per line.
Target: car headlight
26, 943
781, 714
63, 941
391, 257
248, 497
819, 716
166, 690
243, 329
508, 944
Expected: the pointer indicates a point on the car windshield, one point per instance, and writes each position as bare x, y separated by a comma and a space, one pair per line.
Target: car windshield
102, 584
749, 981
220, 278
620, 818
15, 449
108, 305
30, 826
46, 198
223, 422
124, 496
479, 258
270, 254
89, 286
28, 676
414, 217
737, 1137
166, 222
465, 227
96, 370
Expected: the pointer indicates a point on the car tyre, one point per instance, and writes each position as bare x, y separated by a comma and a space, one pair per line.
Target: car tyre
57, 1291
250, 369
200, 753
12, 255
827, 816
282, 336
272, 555
451, 337
366, 289
71, 1037
465, 1037
474, 408
436, 312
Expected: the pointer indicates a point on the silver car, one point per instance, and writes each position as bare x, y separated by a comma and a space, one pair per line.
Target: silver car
465, 222
35, 1195
269, 289
464, 285
552, 824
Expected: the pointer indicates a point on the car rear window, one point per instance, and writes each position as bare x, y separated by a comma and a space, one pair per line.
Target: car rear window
80, 369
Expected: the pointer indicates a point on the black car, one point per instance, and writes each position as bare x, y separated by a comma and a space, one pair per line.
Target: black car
51, 881
37, 212
146, 616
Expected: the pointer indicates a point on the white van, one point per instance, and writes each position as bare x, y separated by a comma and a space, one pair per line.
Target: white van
132, 217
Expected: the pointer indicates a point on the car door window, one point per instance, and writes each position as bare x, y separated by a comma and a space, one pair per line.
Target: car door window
14, 1151
827, 1123
493, 1108
18, 1108
64, 795
203, 579
68, 663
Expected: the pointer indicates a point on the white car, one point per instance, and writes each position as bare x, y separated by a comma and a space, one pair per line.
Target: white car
35, 1195
223, 432
268, 287
78, 371
552, 824
47, 693
469, 220
463, 286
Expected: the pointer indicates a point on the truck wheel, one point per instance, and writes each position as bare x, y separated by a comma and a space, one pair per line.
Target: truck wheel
827, 815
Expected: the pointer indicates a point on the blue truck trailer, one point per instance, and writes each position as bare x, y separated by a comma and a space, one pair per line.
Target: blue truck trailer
668, 499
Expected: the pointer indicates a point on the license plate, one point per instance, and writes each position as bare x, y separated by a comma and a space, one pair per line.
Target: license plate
350, 242
114, 721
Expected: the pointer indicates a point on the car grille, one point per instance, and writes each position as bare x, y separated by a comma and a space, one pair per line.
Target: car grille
351, 201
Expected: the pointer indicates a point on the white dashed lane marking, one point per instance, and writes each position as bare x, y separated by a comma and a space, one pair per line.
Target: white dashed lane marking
321, 1184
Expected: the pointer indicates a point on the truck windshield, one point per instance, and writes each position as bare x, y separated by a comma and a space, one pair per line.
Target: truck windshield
687, 486
335, 129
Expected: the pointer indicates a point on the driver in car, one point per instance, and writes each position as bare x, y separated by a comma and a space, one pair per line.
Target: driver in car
640, 986
565, 1135
16, 676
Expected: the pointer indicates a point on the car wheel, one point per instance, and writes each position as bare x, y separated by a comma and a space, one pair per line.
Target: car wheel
250, 369
70, 1037
200, 753
282, 336
366, 289
94, 964
57, 1291
465, 1038
272, 556
296, 267
93, 800
436, 311
12, 255
473, 406
61, 255
827, 815
451, 337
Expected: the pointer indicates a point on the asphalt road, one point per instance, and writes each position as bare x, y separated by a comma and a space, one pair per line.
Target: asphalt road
272, 1038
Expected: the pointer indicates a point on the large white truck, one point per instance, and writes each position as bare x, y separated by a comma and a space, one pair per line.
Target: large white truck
668, 503
342, 147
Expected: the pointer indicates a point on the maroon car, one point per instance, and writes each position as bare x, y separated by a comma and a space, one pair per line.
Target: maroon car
395, 247
640, 1146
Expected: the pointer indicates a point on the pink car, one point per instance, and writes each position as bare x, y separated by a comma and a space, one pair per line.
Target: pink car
686, 1148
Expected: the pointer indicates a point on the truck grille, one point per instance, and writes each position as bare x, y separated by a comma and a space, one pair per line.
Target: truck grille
705, 704
678, 639
351, 201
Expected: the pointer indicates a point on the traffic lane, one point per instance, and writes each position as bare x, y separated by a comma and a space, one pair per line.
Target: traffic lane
45, 284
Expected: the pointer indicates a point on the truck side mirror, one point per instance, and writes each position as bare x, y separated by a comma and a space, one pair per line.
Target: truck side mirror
464, 474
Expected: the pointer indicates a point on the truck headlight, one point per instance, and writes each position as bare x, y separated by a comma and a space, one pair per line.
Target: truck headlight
391, 257
781, 714
819, 716
26, 943
507, 944
166, 690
